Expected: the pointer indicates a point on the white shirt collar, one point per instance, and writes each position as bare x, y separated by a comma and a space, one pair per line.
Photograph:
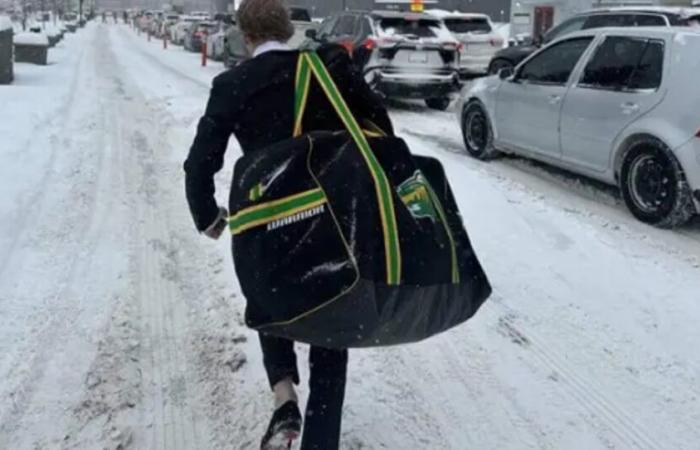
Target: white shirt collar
269, 46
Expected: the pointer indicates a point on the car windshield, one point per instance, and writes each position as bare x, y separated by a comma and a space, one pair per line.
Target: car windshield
464, 25
300, 15
421, 28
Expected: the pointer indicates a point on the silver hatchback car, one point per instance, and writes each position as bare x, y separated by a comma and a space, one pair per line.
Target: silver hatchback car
619, 105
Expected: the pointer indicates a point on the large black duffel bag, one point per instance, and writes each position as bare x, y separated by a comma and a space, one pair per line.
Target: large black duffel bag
345, 239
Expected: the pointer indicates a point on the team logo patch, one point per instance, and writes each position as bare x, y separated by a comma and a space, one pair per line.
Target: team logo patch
415, 193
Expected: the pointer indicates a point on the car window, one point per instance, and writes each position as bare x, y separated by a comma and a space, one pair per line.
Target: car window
607, 20
326, 27
568, 26
345, 26
649, 20
422, 28
464, 25
649, 72
555, 64
365, 28
625, 62
299, 14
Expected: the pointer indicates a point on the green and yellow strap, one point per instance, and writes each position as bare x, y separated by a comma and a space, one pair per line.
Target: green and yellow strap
311, 64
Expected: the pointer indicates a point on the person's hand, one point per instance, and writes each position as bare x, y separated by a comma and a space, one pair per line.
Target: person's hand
217, 228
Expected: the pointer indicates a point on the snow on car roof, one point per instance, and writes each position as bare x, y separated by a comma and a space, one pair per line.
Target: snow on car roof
633, 31
681, 11
5, 23
402, 15
31, 39
443, 14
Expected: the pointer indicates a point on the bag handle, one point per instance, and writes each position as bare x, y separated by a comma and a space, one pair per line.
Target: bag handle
310, 65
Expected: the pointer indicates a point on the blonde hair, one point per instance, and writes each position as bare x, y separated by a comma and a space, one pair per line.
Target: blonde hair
265, 20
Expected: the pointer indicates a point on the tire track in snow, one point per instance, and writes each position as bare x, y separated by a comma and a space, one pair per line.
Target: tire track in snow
175, 423
615, 418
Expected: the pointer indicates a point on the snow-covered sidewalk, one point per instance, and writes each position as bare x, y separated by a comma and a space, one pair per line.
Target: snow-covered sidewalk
119, 325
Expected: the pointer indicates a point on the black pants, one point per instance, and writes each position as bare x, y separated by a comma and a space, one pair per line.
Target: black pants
326, 384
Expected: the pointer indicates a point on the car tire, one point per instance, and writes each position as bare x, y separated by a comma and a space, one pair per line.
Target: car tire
654, 186
477, 131
498, 64
439, 103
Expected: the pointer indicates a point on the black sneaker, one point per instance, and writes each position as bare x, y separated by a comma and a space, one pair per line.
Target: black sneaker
284, 428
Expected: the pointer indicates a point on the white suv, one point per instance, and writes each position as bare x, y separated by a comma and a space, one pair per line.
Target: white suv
619, 105
478, 37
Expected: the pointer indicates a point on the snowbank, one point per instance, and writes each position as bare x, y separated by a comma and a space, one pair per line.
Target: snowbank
5, 23
52, 31
31, 39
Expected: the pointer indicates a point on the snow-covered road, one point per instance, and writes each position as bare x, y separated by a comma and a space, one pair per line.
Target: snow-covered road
121, 326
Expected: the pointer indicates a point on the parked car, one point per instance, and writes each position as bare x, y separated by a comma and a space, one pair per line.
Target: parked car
235, 49
407, 55
166, 25
197, 34
610, 17
612, 104
180, 29
216, 45
201, 15
479, 40
301, 19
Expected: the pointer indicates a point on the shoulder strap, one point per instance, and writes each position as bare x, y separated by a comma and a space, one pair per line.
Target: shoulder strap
310, 64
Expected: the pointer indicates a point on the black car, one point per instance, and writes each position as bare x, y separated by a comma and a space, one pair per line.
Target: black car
510, 57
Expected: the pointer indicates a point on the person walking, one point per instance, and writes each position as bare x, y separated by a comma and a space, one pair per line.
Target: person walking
255, 102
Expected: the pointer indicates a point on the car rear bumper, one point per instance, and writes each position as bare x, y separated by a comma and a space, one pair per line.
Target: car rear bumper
417, 86
689, 157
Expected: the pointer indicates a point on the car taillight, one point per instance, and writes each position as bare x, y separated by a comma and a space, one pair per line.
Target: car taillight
451, 46
370, 44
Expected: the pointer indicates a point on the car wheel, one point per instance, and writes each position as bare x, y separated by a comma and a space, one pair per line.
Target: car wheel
477, 131
498, 64
653, 185
440, 103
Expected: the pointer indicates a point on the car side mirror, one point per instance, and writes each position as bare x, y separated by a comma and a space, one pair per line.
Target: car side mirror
311, 34
505, 73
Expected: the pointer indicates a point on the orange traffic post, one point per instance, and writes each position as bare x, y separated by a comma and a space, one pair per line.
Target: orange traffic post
204, 54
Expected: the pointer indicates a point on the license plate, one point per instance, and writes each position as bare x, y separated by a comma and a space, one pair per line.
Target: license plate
418, 57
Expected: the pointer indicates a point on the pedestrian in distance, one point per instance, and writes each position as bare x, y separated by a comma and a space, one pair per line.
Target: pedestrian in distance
255, 102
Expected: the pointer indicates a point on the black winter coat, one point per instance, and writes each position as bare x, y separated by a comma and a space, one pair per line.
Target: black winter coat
255, 102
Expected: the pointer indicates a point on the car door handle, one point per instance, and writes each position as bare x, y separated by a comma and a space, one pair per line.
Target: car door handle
554, 99
629, 107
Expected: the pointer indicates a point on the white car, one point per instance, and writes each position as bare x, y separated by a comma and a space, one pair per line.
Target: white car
180, 30
216, 45
201, 15
478, 37
616, 104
